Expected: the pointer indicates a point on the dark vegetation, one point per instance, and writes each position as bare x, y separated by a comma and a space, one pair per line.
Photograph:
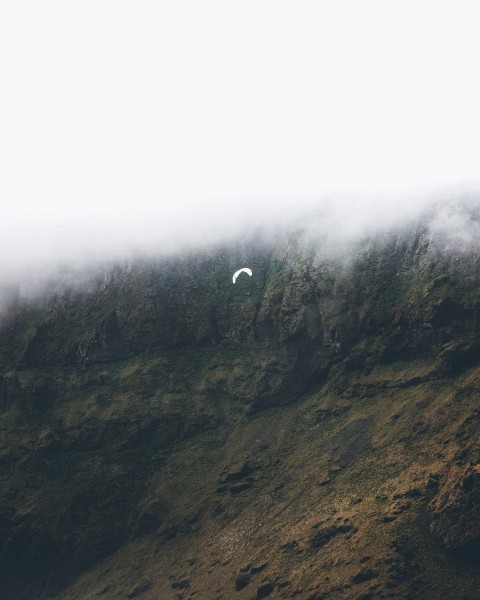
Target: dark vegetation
309, 432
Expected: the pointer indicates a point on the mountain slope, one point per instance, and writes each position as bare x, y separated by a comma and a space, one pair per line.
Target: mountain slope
308, 432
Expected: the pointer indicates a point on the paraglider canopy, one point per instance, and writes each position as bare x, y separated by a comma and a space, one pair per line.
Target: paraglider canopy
244, 270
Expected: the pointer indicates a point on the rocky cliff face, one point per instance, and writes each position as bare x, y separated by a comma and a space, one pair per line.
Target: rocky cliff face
308, 432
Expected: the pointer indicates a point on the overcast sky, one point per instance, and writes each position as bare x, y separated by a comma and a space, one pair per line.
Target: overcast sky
125, 124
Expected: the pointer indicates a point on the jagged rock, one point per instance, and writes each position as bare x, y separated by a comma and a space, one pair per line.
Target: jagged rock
264, 590
364, 575
456, 513
258, 569
433, 481
181, 585
366, 558
324, 534
240, 487
388, 518
238, 474
241, 581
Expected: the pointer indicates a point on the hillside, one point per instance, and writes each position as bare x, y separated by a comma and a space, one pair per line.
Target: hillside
310, 432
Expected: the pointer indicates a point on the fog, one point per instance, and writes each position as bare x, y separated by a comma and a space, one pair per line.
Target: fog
150, 127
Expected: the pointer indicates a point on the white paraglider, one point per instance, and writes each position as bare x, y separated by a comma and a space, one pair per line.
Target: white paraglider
244, 270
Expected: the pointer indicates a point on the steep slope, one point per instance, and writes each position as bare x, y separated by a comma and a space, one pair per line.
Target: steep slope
309, 432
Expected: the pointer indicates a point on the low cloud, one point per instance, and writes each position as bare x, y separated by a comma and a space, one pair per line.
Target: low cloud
132, 130
455, 225
39, 246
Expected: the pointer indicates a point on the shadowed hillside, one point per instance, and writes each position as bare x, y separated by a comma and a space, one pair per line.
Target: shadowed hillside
310, 432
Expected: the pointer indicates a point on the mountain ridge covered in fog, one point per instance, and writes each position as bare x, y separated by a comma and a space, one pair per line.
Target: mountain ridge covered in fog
309, 431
